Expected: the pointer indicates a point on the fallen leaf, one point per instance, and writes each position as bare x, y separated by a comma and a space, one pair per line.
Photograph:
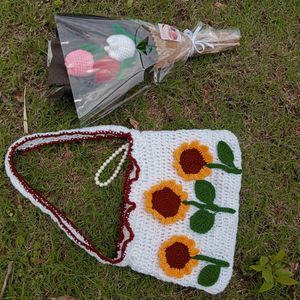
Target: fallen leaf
219, 5
135, 124
207, 90
68, 154
18, 96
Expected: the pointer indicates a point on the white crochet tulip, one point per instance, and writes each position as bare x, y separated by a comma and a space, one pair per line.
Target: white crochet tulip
120, 47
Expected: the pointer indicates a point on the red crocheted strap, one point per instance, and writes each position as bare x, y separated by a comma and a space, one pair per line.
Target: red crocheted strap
65, 223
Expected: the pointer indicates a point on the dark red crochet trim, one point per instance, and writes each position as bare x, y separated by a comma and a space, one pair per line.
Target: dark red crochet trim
127, 205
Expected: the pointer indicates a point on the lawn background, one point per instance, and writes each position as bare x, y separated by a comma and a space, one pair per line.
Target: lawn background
252, 91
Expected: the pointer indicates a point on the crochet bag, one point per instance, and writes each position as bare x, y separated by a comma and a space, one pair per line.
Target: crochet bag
179, 213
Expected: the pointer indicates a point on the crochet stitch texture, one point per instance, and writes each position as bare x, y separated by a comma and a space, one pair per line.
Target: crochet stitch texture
151, 155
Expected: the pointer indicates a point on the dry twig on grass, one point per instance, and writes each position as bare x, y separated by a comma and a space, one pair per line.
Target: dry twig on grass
25, 123
8, 272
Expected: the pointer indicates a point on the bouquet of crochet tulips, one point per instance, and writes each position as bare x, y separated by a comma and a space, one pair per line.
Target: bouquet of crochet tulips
107, 61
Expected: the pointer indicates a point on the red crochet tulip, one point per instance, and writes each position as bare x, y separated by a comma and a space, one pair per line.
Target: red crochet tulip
106, 69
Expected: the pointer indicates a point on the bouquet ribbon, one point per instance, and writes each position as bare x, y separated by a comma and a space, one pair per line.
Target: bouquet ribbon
197, 45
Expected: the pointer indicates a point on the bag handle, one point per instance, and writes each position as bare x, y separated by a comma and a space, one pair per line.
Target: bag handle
36, 141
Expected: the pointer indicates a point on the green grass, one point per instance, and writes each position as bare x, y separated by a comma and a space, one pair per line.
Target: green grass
252, 91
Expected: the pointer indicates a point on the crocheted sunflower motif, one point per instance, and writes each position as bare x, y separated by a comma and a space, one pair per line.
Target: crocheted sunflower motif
165, 202
193, 161
175, 256
190, 161
178, 256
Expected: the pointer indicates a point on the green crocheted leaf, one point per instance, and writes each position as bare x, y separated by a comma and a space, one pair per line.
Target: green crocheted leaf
128, 62
118, 29
225, 154
125, 65
209, 275
143, 44
96, 50
205, 191
202, 221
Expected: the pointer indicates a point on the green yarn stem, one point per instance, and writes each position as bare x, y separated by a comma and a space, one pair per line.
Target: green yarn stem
225, 168
218, 262
211, 207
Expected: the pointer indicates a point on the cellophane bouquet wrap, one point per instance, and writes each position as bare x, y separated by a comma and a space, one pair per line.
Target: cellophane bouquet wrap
109, 61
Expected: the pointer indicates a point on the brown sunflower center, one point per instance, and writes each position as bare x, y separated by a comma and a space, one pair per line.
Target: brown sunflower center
192, 161
177, 255
166, 202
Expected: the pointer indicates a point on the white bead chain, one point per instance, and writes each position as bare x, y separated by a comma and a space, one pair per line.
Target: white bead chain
124, 148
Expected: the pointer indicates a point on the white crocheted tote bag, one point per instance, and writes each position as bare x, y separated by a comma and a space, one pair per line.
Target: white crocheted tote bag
180, 206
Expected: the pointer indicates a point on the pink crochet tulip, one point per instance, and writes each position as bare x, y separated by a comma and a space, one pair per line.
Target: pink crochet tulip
79, 63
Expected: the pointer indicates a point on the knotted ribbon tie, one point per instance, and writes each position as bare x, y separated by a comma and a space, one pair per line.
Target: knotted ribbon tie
197, 45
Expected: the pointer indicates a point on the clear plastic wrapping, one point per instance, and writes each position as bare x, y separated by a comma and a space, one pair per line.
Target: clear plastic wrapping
109, 61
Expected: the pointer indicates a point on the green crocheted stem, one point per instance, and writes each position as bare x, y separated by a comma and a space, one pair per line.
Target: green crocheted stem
218, 262
225, 168
211, 207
